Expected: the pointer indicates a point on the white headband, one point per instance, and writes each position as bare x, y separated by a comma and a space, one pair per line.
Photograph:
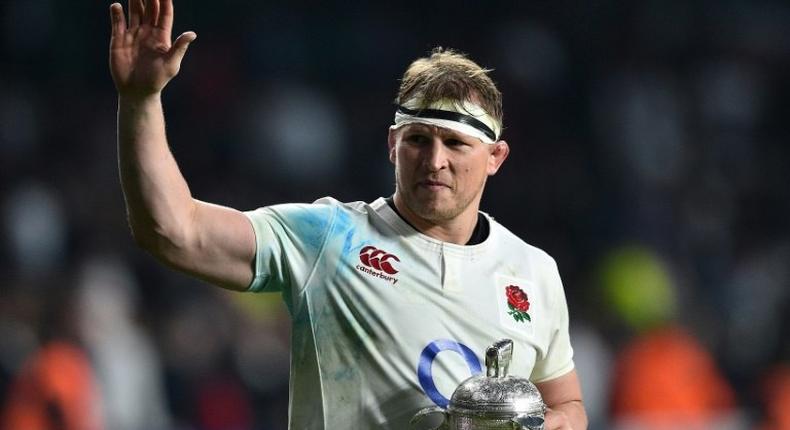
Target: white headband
466, 117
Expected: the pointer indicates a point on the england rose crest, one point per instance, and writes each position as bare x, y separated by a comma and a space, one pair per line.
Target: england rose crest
518, 303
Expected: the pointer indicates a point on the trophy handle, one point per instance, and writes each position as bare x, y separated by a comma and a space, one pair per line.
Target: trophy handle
498, 358
528, 422
430, 411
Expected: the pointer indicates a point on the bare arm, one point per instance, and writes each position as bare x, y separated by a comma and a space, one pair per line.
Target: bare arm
214, 243
563, 396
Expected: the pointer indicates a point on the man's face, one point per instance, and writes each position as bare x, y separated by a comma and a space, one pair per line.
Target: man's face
440, 173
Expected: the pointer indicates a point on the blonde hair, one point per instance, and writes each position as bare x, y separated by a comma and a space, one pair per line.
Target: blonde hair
449, 74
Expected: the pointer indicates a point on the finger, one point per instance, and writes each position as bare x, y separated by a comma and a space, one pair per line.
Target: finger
136, 8
166, 15
555, 420
180, 46
118, 21
151, 15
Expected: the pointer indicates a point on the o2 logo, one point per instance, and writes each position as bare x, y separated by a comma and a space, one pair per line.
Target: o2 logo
425, 366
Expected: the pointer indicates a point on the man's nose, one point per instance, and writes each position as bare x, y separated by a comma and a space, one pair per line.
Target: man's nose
435, 156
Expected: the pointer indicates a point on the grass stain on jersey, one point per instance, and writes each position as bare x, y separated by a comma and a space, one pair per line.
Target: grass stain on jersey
309, 222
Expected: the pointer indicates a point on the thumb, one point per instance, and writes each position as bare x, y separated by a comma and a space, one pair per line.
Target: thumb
181, 44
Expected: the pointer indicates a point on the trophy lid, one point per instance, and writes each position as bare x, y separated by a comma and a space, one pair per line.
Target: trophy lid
497, 394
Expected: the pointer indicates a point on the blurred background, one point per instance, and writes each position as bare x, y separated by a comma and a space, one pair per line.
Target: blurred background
647, 157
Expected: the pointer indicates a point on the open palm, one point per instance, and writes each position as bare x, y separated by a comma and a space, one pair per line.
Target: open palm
142, 57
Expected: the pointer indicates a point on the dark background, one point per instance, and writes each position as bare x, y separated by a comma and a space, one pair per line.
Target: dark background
657, 126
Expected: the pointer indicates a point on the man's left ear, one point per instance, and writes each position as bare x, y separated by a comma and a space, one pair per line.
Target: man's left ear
498, 155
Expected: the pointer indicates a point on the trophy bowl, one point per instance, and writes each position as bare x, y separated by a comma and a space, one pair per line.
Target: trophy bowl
495, 400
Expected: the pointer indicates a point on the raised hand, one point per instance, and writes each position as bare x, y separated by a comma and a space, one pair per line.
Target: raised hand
142, 58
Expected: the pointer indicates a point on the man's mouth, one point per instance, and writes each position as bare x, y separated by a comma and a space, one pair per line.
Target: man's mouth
432, 185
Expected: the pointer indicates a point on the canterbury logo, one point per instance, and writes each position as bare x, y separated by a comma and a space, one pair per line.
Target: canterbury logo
380, 260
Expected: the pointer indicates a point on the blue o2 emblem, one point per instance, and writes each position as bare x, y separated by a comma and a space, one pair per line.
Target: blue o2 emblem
425, 371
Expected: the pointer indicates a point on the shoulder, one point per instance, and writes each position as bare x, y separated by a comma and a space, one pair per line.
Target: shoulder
356, 207
515, 246
319, 215
319, 208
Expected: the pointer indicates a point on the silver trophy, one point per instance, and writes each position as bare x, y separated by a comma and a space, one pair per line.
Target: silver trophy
492, 401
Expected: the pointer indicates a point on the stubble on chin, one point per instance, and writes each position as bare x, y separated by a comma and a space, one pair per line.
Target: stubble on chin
436, 210
438, 213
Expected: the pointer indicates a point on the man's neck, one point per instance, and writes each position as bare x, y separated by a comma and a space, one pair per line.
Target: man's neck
457, 230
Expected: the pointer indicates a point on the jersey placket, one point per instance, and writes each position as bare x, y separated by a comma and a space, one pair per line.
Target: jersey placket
451, 270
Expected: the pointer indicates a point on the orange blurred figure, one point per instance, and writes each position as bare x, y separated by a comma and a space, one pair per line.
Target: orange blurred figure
664, 379
54, 389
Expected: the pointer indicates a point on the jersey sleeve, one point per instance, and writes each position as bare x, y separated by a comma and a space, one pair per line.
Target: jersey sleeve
289, 239
558, 359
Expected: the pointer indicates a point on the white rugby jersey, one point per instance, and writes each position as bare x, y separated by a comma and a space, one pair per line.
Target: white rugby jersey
387, 320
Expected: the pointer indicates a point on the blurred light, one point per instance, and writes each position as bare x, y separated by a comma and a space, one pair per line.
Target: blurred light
638, 288
106, 297
730, 94
35, 226
303, 129
126, 361
593, 360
